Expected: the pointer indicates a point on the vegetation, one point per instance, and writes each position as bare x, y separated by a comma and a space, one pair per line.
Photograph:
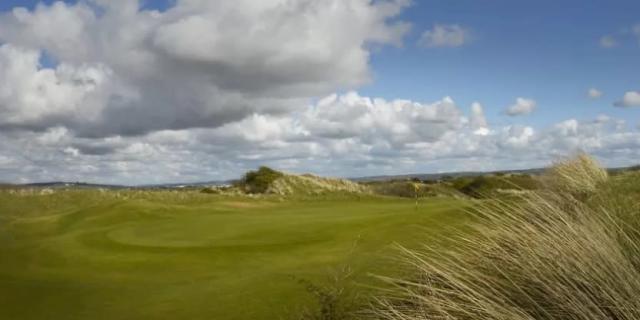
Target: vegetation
405, 189
153, 254
310, 185
567, 252
491, 186
268, 181
259, 181
564, 245
579, 176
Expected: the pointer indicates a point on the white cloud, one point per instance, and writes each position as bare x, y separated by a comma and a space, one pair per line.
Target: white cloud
522, 106
636, 31
378, 120
34, 97
516, 137
608, 41
622, 36
445, 36
198, 64
340, 135
478, 121
630, 99
594, 93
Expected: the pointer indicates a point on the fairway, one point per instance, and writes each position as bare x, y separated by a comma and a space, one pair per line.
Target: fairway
92, 255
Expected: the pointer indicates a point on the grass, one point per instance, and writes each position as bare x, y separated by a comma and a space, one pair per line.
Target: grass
88, 254
578, 176
569, 251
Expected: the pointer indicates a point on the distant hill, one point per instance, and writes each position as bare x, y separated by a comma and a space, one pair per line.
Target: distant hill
188, 185
441, 176
419, 176
60, 184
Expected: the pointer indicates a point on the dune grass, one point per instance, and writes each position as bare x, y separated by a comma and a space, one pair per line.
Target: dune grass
89, 254
567, 252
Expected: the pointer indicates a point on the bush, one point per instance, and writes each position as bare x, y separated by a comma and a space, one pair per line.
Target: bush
210, 190
460, 183
406, 189
260, 180
487, 185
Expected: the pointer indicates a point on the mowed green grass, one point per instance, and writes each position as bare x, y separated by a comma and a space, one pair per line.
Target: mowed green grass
162, 255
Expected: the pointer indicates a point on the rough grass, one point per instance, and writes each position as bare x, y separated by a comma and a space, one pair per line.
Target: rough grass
307, 184
578, 176
567, 253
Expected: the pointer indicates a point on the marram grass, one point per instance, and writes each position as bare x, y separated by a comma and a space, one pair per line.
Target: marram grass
580, 175
307, 184
544, 255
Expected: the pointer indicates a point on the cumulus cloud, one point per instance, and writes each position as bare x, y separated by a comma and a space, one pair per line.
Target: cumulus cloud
630, 99
594, 93
348, 129
523, 106
339, 135
444, 36
126, 71
478, 121
608, 41
378, 120
32, 97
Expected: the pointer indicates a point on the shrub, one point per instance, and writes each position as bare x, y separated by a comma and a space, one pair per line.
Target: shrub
406, 189
210, 190
461, 182
259, 181
487, 186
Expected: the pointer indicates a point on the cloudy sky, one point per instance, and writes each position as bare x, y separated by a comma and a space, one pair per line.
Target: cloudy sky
137, 92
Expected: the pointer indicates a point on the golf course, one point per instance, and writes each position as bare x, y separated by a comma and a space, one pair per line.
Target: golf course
131, 254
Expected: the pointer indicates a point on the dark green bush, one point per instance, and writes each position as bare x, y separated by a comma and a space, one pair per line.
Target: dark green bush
259, 181
405, 189
485, 186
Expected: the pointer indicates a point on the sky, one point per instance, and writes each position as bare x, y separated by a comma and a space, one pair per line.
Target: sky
144, 92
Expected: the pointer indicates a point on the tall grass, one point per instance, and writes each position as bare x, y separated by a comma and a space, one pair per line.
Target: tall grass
561, 253
578, 176
307, 184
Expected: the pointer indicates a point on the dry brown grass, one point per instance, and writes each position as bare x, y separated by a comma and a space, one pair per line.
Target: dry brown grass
579, 175
307, 184
544, 255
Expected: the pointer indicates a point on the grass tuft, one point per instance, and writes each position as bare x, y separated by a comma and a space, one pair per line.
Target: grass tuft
578, 176
543, 255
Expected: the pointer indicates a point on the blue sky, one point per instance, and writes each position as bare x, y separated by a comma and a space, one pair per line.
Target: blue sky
547, 50
205, 90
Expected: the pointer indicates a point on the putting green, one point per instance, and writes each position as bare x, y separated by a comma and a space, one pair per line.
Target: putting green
90, 255
205, 231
